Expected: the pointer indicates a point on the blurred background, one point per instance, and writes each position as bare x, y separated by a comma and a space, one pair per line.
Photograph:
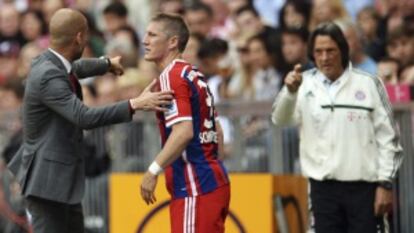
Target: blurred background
244, 47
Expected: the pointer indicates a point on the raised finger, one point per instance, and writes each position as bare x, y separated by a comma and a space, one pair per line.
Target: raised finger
117, 58
297, 68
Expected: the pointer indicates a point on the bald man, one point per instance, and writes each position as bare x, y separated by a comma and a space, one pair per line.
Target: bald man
49, 165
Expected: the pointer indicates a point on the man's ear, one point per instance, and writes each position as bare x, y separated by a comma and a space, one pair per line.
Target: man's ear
79, 37
173, 42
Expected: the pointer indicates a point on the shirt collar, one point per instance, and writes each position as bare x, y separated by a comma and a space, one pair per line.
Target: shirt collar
65, 62
168, 67
326, 81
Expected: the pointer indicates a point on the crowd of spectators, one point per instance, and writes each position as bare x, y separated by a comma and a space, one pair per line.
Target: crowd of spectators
244, 47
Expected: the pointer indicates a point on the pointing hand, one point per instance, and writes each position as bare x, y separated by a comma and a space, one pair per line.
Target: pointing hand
294, 79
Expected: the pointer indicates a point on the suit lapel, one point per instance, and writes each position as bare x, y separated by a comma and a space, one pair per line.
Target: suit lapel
55, 60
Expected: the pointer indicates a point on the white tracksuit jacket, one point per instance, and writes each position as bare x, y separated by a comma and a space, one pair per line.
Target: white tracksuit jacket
348, 137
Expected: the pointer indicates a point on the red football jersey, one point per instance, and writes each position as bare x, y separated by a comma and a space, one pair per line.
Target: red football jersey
198, 170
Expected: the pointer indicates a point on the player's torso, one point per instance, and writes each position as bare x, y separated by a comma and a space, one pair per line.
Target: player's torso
198, 170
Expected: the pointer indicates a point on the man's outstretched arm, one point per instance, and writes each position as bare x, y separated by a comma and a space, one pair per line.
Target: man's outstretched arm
90, 67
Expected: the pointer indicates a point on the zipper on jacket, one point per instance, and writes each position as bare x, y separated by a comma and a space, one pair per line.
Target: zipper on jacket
331, 127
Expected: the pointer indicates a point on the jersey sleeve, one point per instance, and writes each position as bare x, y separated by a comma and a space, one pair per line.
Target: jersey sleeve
180, 108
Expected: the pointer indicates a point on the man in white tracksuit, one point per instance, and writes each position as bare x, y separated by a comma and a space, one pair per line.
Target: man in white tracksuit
349, 146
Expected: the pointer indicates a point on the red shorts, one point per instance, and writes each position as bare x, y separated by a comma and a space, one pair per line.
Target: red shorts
201, 214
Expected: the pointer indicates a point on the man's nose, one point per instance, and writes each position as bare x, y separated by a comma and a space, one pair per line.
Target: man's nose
145, 40
324, 56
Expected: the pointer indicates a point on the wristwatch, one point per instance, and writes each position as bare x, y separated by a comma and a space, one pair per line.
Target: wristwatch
385, 184
107, 60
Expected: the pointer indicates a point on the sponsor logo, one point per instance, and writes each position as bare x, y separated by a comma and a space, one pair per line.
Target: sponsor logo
354, 116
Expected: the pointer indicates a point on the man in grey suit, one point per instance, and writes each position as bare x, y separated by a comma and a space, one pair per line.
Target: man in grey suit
48, 166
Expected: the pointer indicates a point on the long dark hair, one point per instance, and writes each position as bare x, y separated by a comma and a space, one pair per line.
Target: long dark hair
268, 46
334, 32
303, 7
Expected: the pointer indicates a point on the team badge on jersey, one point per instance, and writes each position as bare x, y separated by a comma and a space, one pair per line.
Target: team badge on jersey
172, 110
360, 95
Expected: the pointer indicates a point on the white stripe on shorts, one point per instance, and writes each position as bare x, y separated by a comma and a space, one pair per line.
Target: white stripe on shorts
189, 215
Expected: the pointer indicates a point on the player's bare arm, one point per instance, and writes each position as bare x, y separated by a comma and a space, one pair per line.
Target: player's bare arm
181, 135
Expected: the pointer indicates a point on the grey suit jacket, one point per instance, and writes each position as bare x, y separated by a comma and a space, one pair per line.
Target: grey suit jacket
48, 164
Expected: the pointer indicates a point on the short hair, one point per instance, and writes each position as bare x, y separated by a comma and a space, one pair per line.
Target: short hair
116, 8
261, 37
335, 33
371, 11
348, 24
199, 6
248, 8
301, 32
211, 48
398, 33
269, 46
174, 25
41, 18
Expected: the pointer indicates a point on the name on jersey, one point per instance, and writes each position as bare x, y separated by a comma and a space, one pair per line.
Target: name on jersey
208, 137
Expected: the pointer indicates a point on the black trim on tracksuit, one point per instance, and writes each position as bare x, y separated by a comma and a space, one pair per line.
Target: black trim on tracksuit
333, 106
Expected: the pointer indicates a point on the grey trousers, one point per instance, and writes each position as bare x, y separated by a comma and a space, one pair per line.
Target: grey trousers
53, 217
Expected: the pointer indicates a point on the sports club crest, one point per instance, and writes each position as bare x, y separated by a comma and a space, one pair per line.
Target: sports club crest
360, 95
